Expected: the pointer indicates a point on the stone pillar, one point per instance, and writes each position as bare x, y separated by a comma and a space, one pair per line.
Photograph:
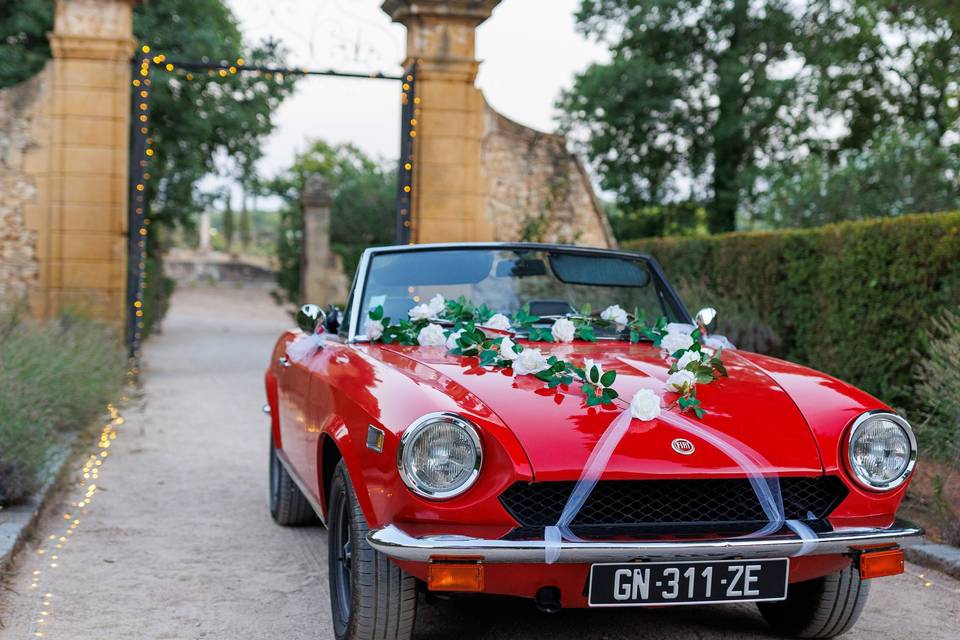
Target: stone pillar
449, 192
204, 232
322, 280
82, 196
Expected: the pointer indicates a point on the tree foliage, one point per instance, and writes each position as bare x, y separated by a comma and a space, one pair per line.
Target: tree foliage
200, 126
895, 172
24, 48
699, 95
362, 214
202, 123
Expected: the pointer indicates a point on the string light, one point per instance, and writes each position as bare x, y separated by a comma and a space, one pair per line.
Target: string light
223, 69
87, 488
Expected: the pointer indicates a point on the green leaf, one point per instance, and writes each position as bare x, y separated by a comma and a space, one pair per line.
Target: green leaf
585, 332
594, 374
376, 313
586, 309
634, 336
704, 378
608, 378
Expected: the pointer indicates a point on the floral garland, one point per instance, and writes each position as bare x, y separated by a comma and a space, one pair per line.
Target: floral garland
469, 330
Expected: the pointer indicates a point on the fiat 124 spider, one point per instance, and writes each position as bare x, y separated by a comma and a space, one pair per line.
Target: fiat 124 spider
549, 422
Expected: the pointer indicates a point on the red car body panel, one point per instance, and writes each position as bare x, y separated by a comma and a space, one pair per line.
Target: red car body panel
795, 418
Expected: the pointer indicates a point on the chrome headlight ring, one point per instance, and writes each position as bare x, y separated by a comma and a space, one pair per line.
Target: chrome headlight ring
856, 468
413, 475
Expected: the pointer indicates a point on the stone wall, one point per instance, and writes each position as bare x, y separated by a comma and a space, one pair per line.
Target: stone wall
20, 118
537, 189
64, 151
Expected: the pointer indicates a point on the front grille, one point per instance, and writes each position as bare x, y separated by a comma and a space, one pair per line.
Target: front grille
634, 503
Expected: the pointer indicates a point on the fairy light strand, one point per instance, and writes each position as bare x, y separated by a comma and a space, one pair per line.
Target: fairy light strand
52, 550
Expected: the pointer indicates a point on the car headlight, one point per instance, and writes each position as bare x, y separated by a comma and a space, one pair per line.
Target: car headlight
440, 456
882, 450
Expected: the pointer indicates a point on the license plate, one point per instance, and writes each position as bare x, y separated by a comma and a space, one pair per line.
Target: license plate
693, 582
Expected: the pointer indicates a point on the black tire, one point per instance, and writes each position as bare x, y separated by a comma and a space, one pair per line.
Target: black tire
821, 608
288, 506
370, 597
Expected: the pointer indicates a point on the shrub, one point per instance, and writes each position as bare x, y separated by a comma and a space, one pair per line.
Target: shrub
54, 376
157, 291
739, 321
851, 299
938, 389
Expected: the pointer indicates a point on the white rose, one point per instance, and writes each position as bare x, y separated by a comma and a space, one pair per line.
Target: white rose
452, 339
373, 329
645, 405
674, 342
681, 381
590, 364
686, 358
506, 349
680, 327
616, 315
530, 361
422, 312
563, 330
498, 321
437, 304
431, 336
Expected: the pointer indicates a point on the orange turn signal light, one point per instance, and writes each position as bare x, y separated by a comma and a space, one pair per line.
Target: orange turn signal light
876, 564
443, 576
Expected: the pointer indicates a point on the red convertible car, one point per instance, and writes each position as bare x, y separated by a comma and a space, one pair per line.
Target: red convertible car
549, 422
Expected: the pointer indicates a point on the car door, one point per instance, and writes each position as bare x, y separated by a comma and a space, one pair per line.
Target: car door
293, 384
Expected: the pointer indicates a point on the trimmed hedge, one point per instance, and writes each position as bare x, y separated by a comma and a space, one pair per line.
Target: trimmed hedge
855, 300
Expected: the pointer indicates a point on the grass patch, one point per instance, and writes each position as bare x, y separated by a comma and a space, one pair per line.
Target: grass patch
55, 376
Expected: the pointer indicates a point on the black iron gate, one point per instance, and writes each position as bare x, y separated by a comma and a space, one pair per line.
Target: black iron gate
144, 64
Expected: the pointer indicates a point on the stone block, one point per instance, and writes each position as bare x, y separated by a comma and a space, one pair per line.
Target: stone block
448, 206
90, 102
89, 160
91, 131
92, 189
446, 123
449, 150
99, 274
93, 74
91, 246
87, 217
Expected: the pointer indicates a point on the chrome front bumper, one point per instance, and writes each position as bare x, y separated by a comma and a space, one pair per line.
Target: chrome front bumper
396, 543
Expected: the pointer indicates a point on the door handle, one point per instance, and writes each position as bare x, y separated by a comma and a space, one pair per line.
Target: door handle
284, 361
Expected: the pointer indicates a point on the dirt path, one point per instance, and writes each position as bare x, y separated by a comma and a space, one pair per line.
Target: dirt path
177, 542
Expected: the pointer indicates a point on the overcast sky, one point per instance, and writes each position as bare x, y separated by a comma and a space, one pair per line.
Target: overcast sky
529, 49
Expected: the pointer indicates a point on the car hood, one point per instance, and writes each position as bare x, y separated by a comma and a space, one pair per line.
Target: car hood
747, 411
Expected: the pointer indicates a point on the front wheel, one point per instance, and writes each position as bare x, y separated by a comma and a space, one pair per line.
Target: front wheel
821, 608
370, 597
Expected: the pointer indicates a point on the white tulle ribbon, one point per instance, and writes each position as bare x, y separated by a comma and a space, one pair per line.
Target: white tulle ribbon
304, 346
767, 489
592, 470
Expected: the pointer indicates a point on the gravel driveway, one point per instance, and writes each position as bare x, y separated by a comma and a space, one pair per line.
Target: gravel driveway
178, 543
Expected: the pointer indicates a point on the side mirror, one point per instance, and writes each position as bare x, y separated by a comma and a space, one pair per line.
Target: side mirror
705, 318
309, 317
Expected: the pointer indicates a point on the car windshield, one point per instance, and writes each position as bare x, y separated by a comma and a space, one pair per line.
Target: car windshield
550, 282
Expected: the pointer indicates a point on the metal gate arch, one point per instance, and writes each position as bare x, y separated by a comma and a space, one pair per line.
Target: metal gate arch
145, 63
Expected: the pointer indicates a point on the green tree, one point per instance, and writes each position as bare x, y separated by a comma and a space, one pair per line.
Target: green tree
24, 48
362, 215
690, 97
202, 123
895, 172
700, 97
